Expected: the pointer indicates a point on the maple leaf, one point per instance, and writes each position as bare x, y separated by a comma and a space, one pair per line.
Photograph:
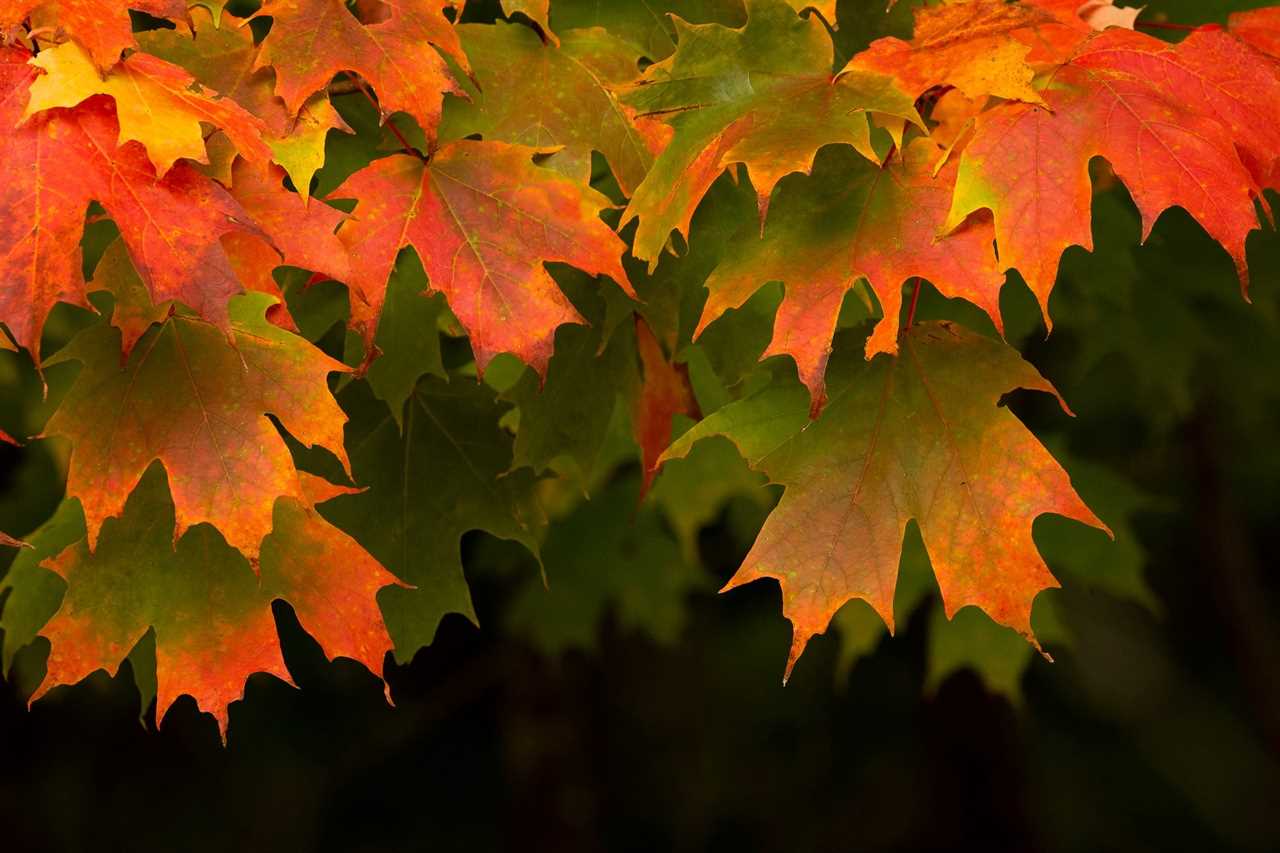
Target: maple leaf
224, 59
763, 95
645, 24
483, 219
102, 26
966, 44
408, 340
61, 160
312, 40
851, 220
211, 615
542, 95
197, 403
571, 417
155, 104
428, 481
921, 437
1167, 118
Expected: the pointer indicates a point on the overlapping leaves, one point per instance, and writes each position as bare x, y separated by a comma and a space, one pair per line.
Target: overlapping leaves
952, 157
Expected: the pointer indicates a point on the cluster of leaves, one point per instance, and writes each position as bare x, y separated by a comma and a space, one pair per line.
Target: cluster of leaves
365, 276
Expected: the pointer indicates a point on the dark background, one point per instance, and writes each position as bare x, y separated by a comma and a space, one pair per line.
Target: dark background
1157, 728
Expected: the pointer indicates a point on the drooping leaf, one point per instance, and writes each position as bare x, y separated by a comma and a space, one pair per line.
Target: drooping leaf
545, 96
61, 160
102, 26
663, 394
425, 484
313, 40
762, 95
224, 59
918, 436
1167, 122
852, 219
483, 219
211, 614
198, 403
155, 104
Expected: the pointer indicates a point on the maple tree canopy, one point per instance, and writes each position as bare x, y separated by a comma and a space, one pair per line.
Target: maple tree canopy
374, 276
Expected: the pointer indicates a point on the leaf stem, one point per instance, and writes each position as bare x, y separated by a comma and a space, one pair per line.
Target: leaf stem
404, 143
1161, 25
915, 300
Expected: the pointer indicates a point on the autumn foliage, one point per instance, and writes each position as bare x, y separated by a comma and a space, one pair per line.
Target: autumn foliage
357, 278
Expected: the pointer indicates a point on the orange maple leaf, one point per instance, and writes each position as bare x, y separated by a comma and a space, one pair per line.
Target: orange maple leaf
918, 436
312, 40
102, 26
1170, 119
57, 163
853, 220
197, 403
484, 219
211, 614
